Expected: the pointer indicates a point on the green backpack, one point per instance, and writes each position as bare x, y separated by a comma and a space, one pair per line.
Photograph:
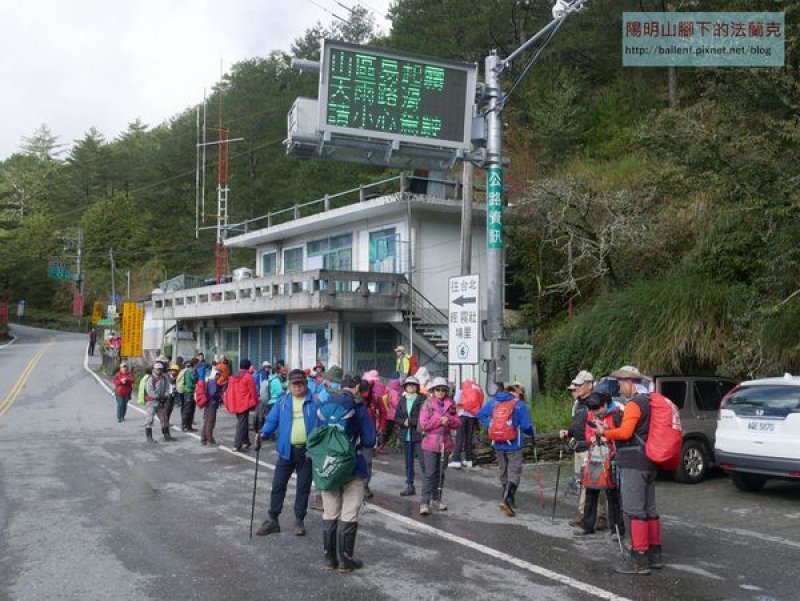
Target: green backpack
332, 452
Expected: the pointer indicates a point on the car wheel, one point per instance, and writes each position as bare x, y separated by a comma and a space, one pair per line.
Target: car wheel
748, 482
694, 462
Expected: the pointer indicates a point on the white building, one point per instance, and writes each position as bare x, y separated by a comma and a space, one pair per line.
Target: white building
340, 283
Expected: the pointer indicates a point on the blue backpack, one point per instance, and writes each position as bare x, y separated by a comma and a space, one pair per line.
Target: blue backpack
332, 452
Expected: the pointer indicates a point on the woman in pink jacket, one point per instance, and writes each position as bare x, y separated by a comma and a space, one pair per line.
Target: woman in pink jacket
437, 421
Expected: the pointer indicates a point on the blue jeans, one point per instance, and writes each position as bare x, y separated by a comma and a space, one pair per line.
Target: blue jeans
122, 406
284, 469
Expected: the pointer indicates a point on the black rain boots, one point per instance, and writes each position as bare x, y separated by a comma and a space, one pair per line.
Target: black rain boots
637, 563
329, 544
347, 543
166, 433
149, 433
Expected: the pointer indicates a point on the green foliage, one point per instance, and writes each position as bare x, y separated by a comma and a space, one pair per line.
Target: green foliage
679, 323
551, 412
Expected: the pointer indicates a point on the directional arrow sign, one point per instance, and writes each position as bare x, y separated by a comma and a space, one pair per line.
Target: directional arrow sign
464, 320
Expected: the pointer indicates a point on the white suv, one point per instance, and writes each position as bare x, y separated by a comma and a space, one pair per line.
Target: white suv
758, 432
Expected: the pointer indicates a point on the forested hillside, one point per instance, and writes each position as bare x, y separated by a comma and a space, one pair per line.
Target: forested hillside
648, 227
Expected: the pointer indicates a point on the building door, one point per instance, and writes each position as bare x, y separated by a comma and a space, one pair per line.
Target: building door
313, 346
373, 348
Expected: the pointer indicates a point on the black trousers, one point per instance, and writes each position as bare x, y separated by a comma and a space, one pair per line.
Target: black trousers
301, 464
187, 411
465, 439
590, 509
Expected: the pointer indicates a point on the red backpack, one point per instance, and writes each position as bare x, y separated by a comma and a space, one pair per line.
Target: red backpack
665, 436
472, 397
413, 366
502, 428
200, 396
597, 470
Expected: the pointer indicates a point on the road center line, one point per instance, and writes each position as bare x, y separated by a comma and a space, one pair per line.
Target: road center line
19, 385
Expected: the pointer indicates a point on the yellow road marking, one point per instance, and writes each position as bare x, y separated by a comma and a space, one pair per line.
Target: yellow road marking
15, 391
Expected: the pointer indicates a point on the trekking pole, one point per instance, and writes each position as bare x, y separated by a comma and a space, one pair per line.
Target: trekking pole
558, 477
619, 539
255, 483
441, 470
538, 476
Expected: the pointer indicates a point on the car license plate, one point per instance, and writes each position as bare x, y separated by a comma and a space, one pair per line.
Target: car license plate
755, 425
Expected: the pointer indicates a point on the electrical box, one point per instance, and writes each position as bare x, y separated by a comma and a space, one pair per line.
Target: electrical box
521, 365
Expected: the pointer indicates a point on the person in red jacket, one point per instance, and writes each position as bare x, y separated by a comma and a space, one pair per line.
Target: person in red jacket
469, 401
240, 398
123, 385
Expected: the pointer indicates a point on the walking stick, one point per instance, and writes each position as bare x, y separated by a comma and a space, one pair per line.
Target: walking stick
255, 483
538, 476
558, 477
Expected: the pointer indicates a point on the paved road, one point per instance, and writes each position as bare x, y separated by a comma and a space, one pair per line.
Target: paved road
88, 510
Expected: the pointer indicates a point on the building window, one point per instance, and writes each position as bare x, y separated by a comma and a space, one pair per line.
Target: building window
373, 348
269, 263
293, 260
230, 337
336, 252
383, 251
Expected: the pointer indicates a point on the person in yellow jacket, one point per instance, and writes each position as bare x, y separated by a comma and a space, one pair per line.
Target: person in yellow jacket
403, 364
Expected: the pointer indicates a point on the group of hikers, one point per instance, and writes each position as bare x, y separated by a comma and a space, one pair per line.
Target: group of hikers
327, 426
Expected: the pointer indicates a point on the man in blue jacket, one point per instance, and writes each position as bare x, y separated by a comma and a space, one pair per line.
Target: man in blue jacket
294, 416
341, 506
507, 418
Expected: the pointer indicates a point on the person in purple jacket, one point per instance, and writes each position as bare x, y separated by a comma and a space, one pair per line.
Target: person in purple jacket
438, 421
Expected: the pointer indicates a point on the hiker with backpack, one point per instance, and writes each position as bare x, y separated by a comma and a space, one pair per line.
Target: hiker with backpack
214, 389
599, 474
240, 397
294, 417
406, 418
339, 470
437, 422
648, 438
172, 374
394, 391
469, 400
184, 384
507, 419
581, 387
155, 395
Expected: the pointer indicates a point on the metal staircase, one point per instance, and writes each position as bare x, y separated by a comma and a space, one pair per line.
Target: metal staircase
430, 326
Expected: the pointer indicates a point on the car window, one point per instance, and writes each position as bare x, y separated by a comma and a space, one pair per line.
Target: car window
709, 393
766, 401
675, 391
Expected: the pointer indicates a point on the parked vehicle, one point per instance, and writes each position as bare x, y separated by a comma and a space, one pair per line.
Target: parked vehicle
698, 398
758, 432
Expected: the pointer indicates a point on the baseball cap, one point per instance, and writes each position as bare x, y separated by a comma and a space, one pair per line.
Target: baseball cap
350, 379
266, 364
583, 377
297, 375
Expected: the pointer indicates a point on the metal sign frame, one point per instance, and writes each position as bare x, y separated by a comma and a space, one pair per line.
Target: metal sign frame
470, 69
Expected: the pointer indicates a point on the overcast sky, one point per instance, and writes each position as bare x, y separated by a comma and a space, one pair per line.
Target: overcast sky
103, 63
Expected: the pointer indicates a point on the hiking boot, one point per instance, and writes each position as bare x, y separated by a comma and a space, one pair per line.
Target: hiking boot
268, 527
408, 492
316, 503
455, 465
166, 433
368, 493
510, 500
424, 509
440, 505
602, 524
299, 528
635, 563
582, 532
505, 506
149, 433
329, 532
347, 543
654, 555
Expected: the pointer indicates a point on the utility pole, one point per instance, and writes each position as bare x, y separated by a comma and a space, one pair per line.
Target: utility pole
498, 368
466, 217
113, 285
128, 296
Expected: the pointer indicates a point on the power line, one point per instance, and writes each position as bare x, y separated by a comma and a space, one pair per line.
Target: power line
330, 12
